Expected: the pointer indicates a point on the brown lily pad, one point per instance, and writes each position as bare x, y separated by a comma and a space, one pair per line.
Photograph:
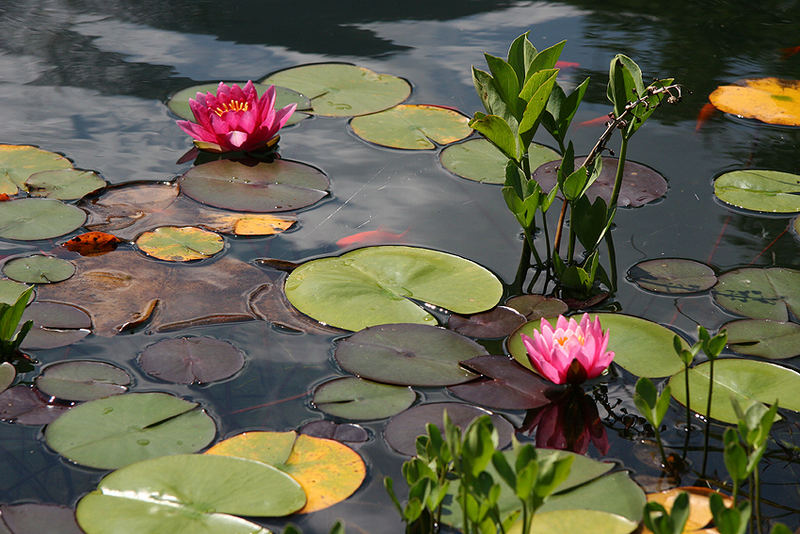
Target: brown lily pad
55, 325
495, 323
24, 405
36, 517
190, 360
534, 307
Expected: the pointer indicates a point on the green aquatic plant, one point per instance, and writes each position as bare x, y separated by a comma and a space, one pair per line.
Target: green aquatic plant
660, 521
11, 333
712, 348
653, 407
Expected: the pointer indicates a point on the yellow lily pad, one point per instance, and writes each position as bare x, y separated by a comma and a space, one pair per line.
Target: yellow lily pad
770, 100
172, 243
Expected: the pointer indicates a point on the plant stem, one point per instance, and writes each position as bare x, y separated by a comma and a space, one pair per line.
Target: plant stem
546, 238
623, 151
561, 216
708, 414
757, 498
522, 269
688, 410
660, 446
529, 240
612, 260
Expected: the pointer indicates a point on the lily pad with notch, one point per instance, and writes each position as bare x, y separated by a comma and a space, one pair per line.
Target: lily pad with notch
191, 360
768, 293
412, 127
18, 162
30, 219
495, 323
55, 325
350, 434
760, 190
64, 184
480, 161
672, 276
535, 307
280, 185
374, 285
112, 432
776, 340
82, 380
342, 89
408, 355
359, 399
38, 269
187, 243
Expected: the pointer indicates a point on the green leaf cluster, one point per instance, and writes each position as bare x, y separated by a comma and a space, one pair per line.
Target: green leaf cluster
659, 521
10, 316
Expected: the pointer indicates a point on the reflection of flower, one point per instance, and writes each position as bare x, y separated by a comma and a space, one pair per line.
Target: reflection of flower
570, 423
572, 353
235, 119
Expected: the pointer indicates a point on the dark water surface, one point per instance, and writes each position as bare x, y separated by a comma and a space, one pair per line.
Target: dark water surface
89, 78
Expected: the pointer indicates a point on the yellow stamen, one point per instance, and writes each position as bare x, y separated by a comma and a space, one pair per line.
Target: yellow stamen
233, 105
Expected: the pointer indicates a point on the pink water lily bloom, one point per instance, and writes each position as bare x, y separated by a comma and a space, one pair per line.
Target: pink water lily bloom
235, 119
570, 353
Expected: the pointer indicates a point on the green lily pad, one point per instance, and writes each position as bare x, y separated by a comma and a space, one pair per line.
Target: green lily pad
189, 493
115, 431
371, 286
280, 185
10, 291
408, 354
593, 521
82, 380
760, 190
7, 375
38, 269
18, 162
672, 276
412, 127
179, 102
355, 398
740, 379
29, 219
642, 347
760, 293
64, 184
341, 89
537, 306
480, 161
776, 340
188, 243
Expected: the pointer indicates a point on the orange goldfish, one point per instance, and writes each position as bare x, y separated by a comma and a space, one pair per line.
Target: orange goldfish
706, 112
371, 237
567, 65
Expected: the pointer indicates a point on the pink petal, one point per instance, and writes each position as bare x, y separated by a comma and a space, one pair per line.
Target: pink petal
200, 112
250, 91
283, 114
197, 131
539, 361
236, 138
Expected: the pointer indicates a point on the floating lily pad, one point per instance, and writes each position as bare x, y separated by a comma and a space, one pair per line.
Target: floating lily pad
408, 355
54, 325
642, 347
343, 90
537, 306
29, 219
348, 433
116, 431
7, 375
371, 286
38, 269
187, 243
640, 184
740, 379
770, 100
480, 161
593, 521
760, 293
10, 291
18, 162
673, 276
496, 323
189, 360
35, 517
189, 493
92, 243
24, 405
179, 102
699, 510
402, 431
280, 185
328, 471
760, 190
355, 398
82, 380
64, 184
776, 340
412, 127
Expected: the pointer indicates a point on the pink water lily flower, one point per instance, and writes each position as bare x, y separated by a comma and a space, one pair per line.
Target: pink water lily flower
570, 353
235, 119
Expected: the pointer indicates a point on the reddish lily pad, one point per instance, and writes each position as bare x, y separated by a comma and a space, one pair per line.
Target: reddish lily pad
24, 405
92, 243
54, 325
31, 517
412, 127
760, 293
640, 184
82, 380
130, 209
7, 375
65, 184
191, 360
355, 398
495, 323
29, 219
481, 161
38, 269
170, 243
534, 307
347, 433
504, 385
402, 431
18, 162
776, 340
408, 355
281, 185
673, 276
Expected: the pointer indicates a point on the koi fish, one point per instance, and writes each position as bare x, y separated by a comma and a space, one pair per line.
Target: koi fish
567, 65
786, 53
597, 121
370, 237
706, 112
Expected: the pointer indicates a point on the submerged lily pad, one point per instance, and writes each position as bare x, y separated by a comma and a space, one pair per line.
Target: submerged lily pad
328, 471
280, 185
189, 493
355, 398
402, 431
65, 184
770, 100
672, 276
760, 190
480, 161
29, 219
776, 340
341, 89
189, 360
18, 162
179, 102
188, 243
495, 323
412, 127
32, 517
537, 306
82, 380
54, 325
116, 431
642, 347
38, 269
769, 293
640, 184
25, 406
371, 286
740, 379
408, 354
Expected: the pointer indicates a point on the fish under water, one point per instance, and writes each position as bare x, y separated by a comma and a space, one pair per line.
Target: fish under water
371, 237
706, 112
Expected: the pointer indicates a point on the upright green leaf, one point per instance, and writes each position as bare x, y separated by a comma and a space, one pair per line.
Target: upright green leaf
498, 132
505, 80
536, 92
547, 58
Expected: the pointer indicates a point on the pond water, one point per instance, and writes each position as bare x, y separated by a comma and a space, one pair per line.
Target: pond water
89, 79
